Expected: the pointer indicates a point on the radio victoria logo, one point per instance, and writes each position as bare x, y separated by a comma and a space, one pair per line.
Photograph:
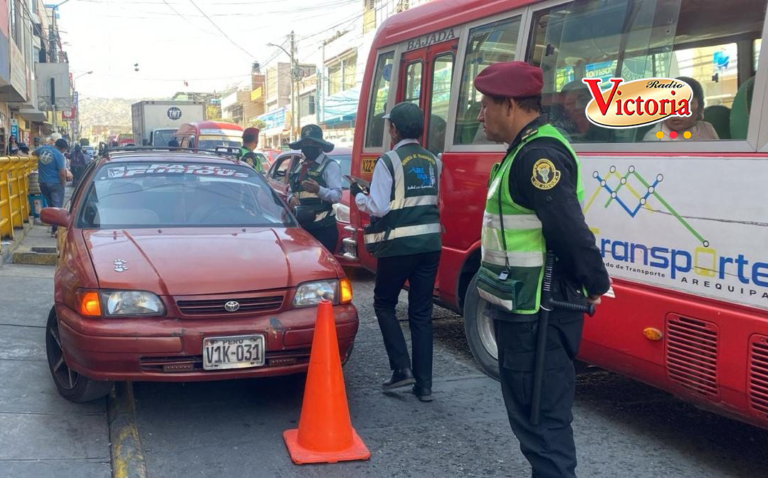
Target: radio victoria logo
637, 103
174, 113
658, 254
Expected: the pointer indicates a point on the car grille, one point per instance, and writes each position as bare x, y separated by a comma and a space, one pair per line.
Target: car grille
248, 304
692, 348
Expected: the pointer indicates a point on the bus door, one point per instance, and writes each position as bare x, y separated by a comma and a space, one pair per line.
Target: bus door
425, 80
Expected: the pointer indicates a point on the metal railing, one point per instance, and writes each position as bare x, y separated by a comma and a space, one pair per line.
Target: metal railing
14, 189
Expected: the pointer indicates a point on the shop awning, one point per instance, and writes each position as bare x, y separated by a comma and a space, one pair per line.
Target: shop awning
33, 114
341, 106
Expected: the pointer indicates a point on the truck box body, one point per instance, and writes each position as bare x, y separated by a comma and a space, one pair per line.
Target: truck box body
149, 116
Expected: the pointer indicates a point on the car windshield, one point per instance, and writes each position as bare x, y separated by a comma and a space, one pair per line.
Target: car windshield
179, 194
212, 142
345, 162
163, 137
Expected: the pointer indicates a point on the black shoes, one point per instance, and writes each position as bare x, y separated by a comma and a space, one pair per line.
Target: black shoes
400, 378
424, 394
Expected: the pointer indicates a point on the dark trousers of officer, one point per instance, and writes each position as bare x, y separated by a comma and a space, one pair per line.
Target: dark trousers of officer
549, 447
420, 270
327, 236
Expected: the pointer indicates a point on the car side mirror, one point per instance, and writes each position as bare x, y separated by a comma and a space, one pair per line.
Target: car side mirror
55, 216
305, 215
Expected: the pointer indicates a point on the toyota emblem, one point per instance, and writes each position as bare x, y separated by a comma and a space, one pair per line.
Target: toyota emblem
232, 306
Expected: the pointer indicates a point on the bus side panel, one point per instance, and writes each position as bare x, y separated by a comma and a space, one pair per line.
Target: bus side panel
614, 340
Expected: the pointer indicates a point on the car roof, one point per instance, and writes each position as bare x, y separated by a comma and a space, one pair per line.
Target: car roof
168, 156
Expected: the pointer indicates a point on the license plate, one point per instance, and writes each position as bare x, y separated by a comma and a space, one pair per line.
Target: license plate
242, 351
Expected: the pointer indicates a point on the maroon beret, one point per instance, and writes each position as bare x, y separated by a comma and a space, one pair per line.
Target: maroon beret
512, 79
251, 131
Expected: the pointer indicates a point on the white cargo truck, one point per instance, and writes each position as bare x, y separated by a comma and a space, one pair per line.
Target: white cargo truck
154, 122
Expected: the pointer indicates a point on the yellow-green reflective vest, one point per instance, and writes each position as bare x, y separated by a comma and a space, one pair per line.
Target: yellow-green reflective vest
512, 265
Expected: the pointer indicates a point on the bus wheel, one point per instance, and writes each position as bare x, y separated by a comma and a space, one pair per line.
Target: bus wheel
480, 334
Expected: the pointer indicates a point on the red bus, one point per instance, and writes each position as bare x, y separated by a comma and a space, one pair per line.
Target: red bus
682, 225
209, 135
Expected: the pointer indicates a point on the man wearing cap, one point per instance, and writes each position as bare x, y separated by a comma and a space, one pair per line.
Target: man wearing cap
316, 184
250, 141
405, 238
534, 206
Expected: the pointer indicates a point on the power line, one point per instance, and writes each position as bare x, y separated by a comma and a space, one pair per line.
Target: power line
220, 30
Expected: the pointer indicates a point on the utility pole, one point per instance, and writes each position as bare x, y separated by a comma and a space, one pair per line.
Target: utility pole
294, 89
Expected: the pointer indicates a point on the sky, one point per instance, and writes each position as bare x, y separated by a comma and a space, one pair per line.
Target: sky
178, 40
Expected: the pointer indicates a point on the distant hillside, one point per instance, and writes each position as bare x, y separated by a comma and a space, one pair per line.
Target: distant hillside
106, 111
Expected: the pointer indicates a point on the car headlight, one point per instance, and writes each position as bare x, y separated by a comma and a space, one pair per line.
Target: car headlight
342, 212
312, 293
120, 303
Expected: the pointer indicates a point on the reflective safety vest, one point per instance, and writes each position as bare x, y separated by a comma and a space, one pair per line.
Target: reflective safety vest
324, 216
513, 245
412, 225
249, 157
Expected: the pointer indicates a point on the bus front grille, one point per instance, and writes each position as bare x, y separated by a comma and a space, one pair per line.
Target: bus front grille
691, 355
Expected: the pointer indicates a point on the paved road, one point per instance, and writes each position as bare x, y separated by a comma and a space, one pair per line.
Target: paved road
623, 429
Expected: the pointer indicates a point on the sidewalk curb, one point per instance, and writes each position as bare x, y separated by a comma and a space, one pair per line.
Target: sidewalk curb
127, 455
6, 252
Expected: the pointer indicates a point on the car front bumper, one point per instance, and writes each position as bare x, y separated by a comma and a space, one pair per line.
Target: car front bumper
169, 349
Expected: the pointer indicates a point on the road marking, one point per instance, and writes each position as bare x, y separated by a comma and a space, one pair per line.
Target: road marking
127, 456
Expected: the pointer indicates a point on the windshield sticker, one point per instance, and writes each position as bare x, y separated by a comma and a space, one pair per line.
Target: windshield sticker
127, 171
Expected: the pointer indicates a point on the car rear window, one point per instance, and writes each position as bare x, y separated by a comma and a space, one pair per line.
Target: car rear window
165, 194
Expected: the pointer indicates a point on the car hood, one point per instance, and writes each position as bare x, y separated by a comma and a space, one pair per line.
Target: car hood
207, 261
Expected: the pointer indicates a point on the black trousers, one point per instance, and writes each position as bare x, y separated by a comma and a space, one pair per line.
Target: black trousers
420, 270
328, 236
549, 447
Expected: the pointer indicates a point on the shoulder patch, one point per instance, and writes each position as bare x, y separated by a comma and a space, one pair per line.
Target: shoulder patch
545, 175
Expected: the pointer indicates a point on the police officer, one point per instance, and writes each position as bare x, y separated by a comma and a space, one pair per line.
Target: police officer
316, 183
406, 241
533, 206
250, 142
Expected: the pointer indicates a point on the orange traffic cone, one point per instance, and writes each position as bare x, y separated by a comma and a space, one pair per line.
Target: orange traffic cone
325, 433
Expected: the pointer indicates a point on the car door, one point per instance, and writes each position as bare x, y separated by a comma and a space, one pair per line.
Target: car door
277, 177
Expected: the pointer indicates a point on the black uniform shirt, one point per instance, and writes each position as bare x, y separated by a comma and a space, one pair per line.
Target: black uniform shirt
553, 198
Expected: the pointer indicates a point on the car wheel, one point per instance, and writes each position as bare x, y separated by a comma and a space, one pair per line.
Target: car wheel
480, 333
71, 385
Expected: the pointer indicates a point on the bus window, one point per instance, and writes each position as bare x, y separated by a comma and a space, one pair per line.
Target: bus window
635, 39
440, 93
381, 80
756, 53
488, 44
413, 75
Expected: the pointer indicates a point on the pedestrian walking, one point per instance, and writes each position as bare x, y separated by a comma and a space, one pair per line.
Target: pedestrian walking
77, 164
13, 146
52, 174
250, 142
316, 184
533, 206
405, 239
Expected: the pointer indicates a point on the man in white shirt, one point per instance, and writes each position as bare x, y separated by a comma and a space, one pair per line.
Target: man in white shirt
405, 238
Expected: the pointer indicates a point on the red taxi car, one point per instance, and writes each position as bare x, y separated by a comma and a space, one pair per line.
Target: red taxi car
182, 266
277, 176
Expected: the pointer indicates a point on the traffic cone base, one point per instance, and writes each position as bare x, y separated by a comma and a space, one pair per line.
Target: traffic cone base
301, 456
